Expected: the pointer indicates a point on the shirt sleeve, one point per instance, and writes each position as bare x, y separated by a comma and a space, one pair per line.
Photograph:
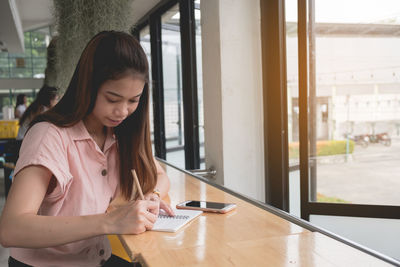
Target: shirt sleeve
44, 145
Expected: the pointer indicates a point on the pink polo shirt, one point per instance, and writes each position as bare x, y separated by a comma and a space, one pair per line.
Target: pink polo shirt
87, 180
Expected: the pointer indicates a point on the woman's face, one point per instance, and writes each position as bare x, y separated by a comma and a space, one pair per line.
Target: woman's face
116, 100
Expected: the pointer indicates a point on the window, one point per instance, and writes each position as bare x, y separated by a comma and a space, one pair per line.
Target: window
351, 91
30, 64
199, 82
293, 107
174, 32
172, 73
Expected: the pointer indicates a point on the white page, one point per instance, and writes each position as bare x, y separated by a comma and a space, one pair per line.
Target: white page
167, 223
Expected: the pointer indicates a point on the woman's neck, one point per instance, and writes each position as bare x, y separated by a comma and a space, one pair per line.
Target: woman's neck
94, 128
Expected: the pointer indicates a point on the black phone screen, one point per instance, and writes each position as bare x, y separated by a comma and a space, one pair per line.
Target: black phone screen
206, 204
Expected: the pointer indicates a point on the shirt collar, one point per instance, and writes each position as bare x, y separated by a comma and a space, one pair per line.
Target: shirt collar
79, 132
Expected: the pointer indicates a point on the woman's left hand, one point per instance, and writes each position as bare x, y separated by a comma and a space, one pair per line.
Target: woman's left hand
162, 204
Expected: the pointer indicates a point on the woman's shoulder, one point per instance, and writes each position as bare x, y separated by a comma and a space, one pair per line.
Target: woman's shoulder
46, 130
46, 136
45, 126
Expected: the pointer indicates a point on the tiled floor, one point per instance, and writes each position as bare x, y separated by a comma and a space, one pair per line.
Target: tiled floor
3, 251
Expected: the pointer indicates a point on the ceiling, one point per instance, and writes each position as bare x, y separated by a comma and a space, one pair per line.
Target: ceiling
17, 16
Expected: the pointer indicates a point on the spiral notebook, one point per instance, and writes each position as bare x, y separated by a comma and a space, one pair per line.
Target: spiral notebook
166, 223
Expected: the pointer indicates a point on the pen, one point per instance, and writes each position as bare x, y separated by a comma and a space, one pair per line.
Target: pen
137, 184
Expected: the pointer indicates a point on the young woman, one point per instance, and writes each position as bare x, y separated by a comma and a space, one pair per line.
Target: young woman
45, 99
20, 106
78, 156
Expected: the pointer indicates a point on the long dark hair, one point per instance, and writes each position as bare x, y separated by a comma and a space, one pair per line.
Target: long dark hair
20, 100
112, 55
42, 101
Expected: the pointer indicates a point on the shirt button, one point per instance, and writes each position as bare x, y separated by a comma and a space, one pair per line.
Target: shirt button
104, 172
101, 252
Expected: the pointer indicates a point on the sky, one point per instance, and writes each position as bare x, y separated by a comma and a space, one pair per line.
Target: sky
350, 11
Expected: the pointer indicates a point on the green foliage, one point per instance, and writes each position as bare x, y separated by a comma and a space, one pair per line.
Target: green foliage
334, 147
77, 21
294, 150
324, 148
326, 199
38, 39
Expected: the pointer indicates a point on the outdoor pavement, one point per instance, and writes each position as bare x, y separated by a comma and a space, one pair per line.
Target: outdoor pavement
370, 176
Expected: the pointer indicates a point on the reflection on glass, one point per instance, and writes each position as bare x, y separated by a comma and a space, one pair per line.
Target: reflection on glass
173, 105
145, 43
354, 119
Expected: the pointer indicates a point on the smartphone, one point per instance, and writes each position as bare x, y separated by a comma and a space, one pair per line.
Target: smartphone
206, 206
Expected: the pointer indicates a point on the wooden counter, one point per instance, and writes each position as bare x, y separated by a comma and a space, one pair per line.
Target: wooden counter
247, 236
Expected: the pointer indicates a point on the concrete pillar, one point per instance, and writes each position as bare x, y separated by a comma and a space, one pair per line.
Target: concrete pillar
232, 84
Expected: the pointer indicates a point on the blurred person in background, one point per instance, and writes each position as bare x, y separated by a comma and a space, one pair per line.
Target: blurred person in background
20, 107
45, 99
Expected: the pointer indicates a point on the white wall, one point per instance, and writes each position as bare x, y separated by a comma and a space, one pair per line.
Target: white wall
381, 235
232, 83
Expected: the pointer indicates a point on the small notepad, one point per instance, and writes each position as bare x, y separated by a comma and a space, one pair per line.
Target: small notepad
167, 223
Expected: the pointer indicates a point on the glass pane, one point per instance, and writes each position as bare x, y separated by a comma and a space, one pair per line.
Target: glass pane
39, 62
4, 72
293, 106
173, 106
4, 62
39, 52
21, 63
38, 73
27, 39
145, 42
199, 83
354, 97
39, 39
21, 73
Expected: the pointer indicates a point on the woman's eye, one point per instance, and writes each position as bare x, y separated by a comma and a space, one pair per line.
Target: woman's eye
134, 100
111, 100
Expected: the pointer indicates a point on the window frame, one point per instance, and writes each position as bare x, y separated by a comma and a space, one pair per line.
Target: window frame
273, 36
305, 15
189, 77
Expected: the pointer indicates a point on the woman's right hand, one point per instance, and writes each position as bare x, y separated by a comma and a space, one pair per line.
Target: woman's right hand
132, 218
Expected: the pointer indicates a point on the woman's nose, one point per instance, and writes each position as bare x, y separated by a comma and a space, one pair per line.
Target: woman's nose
122, 110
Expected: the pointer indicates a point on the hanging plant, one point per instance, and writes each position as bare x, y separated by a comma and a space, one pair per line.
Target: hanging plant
51, 71
77, 21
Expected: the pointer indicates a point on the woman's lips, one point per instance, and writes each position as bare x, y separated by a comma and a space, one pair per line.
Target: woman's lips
115, 122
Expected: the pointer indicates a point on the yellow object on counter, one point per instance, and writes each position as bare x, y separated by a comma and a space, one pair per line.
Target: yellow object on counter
9, 128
